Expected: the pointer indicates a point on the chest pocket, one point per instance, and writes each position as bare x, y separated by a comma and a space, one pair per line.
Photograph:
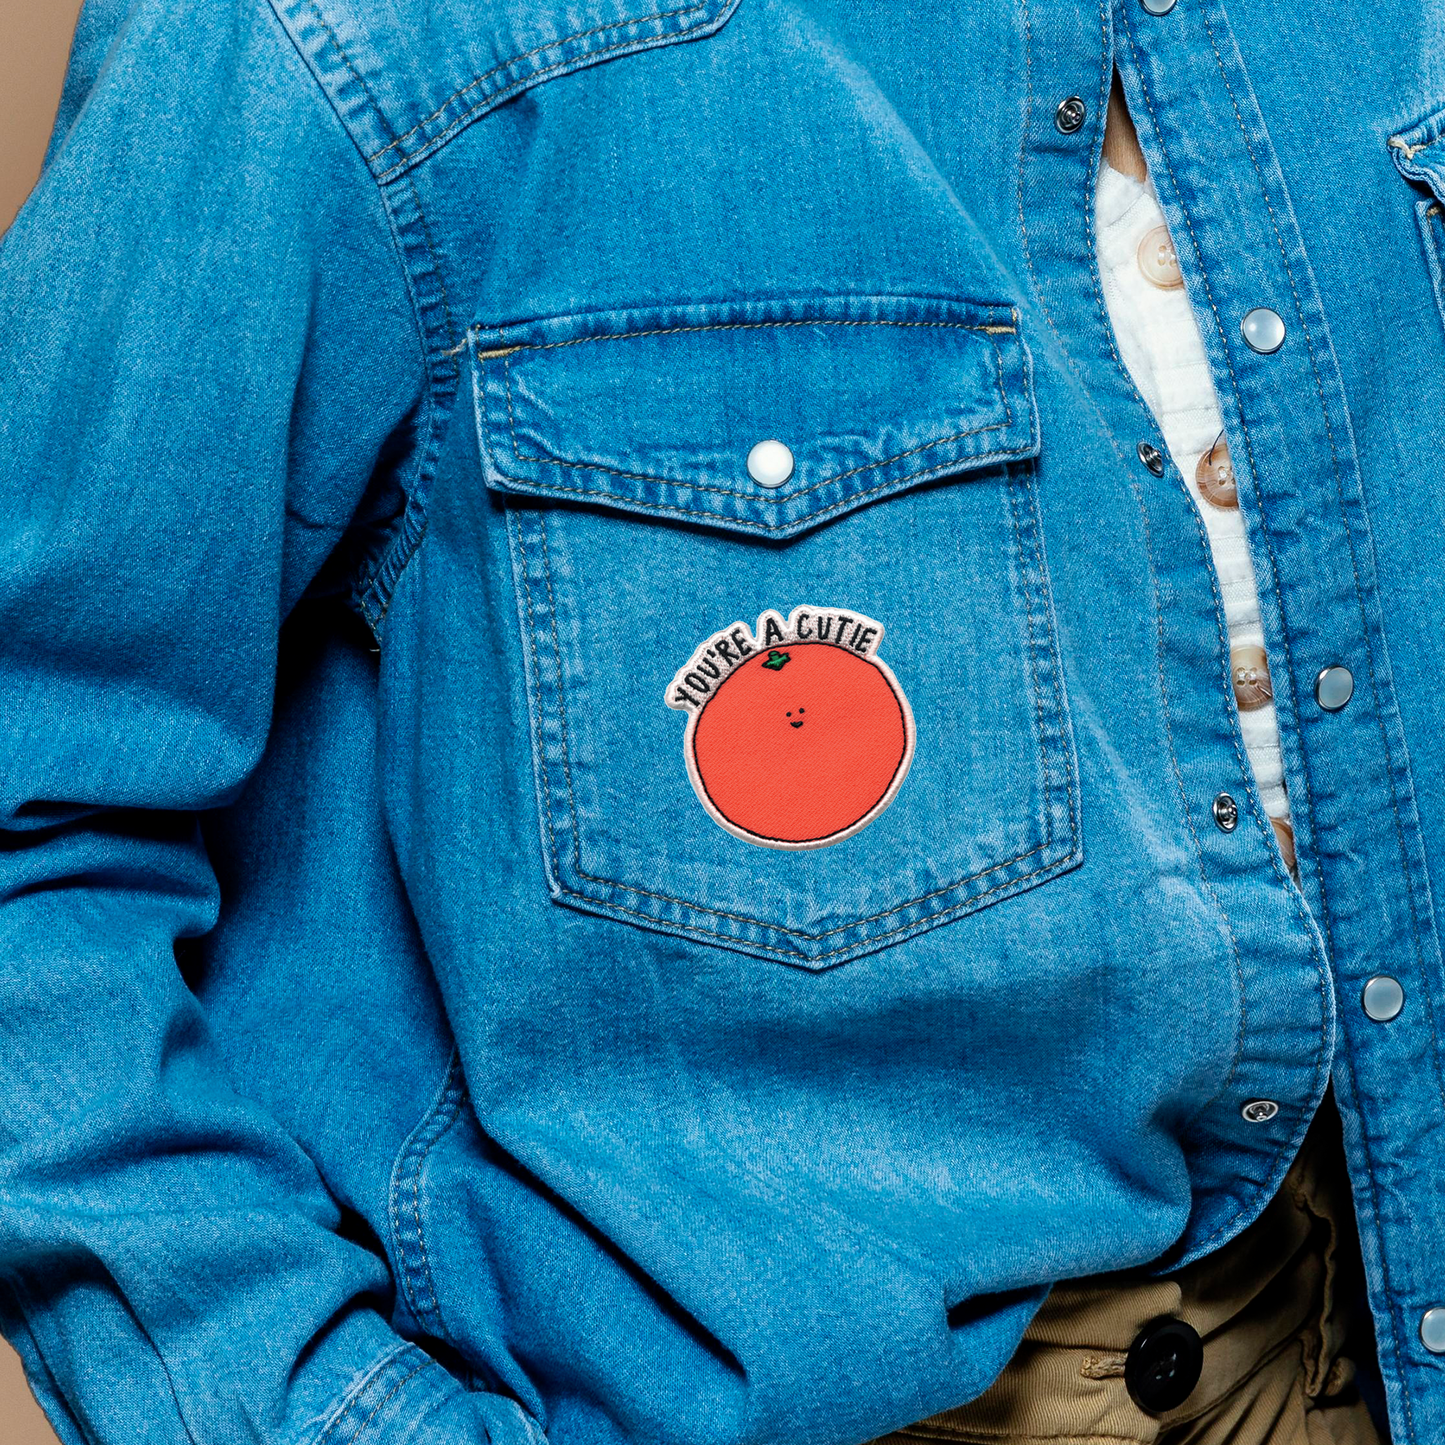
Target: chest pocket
666, 565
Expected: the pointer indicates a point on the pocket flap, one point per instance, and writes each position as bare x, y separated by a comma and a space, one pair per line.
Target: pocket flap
658, 410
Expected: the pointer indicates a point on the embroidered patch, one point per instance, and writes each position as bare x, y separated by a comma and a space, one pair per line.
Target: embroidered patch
797, 735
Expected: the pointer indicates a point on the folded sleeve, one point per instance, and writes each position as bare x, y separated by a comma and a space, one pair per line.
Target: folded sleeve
207, 352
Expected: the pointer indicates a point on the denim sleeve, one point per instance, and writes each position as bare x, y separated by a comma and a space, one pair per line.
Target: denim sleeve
207, 352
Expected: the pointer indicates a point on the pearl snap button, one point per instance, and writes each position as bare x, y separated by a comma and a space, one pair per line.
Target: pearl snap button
1334, 687
1157, 260
1214, 476
1382, 998
1263, 330
1158, 7
1432, 1331
770, 464
1259, 1111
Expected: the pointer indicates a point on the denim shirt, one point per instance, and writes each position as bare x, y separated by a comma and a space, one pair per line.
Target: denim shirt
528, 915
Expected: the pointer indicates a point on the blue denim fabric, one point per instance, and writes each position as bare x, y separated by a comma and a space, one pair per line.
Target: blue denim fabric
396, 1051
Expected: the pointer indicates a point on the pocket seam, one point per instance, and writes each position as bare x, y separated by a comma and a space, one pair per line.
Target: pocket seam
702, 907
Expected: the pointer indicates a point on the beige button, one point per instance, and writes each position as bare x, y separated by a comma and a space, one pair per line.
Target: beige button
1214, 476
1157, 260
1284, 836
1251, 677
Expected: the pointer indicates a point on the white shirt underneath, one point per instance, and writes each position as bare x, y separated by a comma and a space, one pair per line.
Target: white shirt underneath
1159, 343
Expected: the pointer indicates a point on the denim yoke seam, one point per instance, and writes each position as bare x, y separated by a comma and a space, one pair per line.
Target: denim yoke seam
1134, 488
362, 1384
405, 1197
513, 60
549, 460
1369, 648
719, 913
386, 1399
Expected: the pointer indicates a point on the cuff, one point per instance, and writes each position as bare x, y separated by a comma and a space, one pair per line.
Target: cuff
409, 1399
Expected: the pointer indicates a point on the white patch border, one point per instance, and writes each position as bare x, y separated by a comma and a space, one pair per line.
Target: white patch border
707, 653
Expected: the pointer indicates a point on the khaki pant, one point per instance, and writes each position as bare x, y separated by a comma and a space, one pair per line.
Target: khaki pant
1273, 1307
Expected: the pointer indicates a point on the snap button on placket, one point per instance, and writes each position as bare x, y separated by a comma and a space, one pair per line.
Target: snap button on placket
1226, 813
1070, 115
1334, 687
1259, 1111
1263, 330
1152, 458
1382, 998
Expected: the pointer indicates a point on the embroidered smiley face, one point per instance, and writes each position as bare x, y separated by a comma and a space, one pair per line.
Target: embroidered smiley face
797, 744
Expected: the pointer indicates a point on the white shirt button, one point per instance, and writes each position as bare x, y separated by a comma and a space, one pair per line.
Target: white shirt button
770, 464
1158, 263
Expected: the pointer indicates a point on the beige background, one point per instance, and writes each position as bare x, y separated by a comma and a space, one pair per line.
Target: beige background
34, 41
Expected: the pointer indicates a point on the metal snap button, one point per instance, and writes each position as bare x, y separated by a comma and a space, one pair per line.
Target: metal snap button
1226, 813
770, 463
1158, 7
1163, 1365
1152, 458
1263, 330
1334, 687
1259, 1111
1069, 117
1382, 998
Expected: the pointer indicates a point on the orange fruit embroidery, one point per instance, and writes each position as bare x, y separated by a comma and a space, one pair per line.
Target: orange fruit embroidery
797, 736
